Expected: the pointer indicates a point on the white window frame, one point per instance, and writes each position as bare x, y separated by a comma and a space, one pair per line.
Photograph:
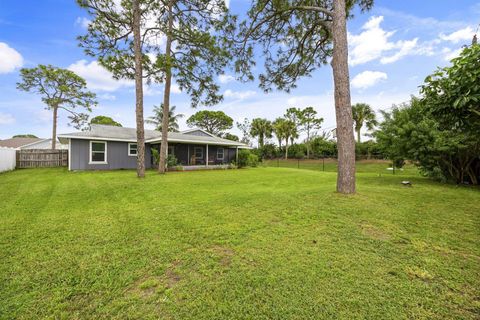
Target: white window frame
223, 154
91, 153
130, 154
195, 153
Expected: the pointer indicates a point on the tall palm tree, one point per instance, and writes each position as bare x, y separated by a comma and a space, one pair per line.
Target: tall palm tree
363, 114
284, 129
157, 117
261, 128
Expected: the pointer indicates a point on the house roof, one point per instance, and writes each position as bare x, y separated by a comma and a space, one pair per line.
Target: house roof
18, 142
113, 133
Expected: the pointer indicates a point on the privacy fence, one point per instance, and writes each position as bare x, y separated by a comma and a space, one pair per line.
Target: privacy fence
7, 159
41, 158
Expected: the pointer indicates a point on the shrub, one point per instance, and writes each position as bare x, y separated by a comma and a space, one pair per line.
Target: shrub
171, 161
247, 159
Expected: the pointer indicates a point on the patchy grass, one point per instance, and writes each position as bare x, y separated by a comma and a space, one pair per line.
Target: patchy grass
265, 243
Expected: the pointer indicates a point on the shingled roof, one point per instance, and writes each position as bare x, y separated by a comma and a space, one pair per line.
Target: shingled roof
105, 132
18, 142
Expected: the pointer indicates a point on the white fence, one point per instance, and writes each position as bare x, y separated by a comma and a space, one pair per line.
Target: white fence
7, 159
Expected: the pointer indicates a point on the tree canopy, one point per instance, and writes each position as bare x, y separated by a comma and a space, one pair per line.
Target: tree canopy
215, 122
25, 136
157, 118
105, 121
363, 115
60, 89
261, 128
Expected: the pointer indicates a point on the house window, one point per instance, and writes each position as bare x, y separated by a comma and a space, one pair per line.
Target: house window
171, 150
132, 149
98, 152
198, 151
220, 153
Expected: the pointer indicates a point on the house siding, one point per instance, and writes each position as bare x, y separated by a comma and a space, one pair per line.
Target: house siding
117, 156
198, 133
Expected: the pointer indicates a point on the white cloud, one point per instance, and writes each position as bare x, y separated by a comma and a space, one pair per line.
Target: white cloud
449, 54
465, 34
82, 22
368, 79
107, 96
226, 78
374, 43
6, 118
239, 94
97, 77
10, 59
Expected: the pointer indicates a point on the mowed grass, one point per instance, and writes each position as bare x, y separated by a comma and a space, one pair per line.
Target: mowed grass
264, 243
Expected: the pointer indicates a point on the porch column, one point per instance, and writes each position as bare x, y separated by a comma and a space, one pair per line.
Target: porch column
206, 159
188, 154
236, 155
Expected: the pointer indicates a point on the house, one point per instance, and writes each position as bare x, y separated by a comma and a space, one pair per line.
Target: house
105, 147
30, 143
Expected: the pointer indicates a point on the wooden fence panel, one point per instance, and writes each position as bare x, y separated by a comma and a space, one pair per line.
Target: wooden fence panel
42, 158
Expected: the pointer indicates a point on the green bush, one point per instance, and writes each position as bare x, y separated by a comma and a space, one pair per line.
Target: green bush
247, 159
171, 161
156, 156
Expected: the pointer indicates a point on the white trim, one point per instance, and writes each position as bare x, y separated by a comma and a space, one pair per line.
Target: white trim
198, 129
69, 154
90, 161
206, 158
128, 152
223, 154
195, 153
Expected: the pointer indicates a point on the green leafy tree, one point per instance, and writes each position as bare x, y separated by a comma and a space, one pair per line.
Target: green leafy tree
294, 115
297, 37
24, 136
60, 89
363, 115
215, 122
157, 118
284, 129
230, 136
309, 123
261, 128
105, 121
196, 50
123, 36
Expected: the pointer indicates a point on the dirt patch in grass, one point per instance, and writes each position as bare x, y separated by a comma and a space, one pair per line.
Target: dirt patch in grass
225, 254
374, 232
171, 277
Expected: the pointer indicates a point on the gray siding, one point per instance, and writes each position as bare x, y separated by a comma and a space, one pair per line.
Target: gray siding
197, 133
117, 156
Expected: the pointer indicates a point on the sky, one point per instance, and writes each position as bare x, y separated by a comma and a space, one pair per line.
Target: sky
392, 48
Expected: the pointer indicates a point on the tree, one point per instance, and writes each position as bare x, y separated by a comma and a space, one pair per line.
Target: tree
244, 127
284, 129
297, 37
123, 36
196, 51
261, 128
294, 115
60, 89
363, 115
309, 123
215, 122
25, 136
230, 136
157, 118
105, 121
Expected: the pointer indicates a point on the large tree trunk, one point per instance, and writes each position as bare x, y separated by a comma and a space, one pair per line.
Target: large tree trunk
54, 129
166, 94
343, 108
137, 47
358, 135
308, 144
286, 149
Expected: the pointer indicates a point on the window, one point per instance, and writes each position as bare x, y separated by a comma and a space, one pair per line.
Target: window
171, 150
98, 152
220, 153
198, 151
132, 149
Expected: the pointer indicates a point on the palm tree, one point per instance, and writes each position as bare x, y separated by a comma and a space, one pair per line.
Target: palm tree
284, 129
261, 128
157, 117
363, 114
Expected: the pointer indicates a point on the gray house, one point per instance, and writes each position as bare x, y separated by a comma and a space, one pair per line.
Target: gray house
109, 147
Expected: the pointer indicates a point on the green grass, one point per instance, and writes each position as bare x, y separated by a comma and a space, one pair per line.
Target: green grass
265, 243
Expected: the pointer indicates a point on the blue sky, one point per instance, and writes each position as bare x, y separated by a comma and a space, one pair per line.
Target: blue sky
392, 49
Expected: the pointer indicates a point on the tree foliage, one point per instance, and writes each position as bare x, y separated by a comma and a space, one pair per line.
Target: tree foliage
60, 89
157, 118
28, 135
262, 129
363, 115
215, 122
105, 121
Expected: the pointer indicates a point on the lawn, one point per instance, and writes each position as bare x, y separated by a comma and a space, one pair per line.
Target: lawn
264, 243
